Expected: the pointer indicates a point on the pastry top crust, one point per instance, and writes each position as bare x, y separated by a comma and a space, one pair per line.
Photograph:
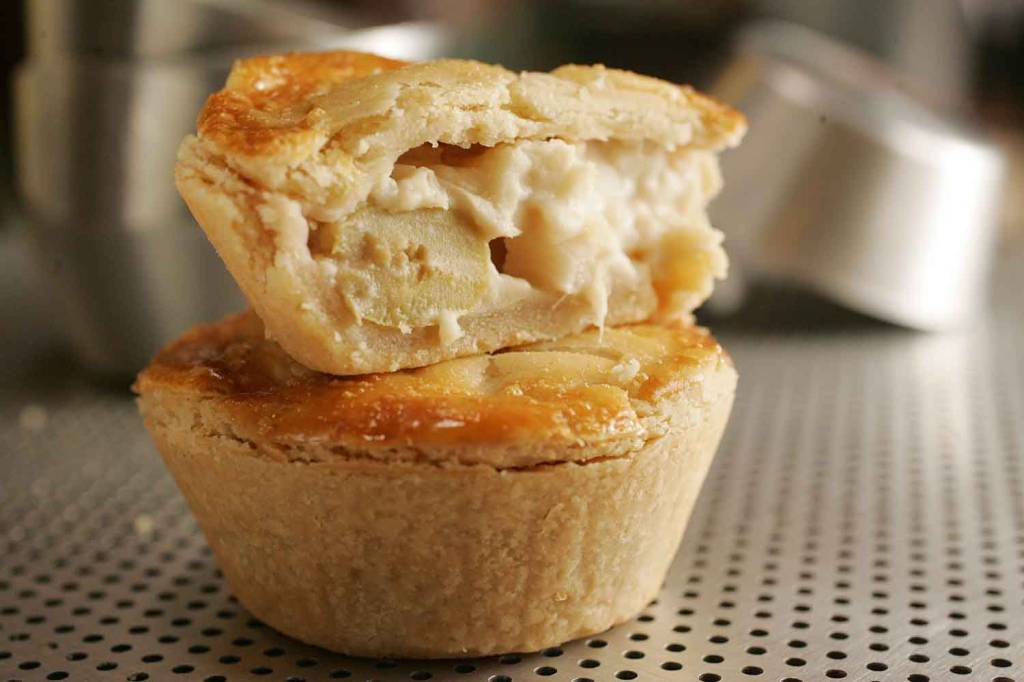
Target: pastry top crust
585, 396
323, 125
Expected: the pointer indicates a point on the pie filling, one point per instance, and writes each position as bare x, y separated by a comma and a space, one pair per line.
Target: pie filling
455, 230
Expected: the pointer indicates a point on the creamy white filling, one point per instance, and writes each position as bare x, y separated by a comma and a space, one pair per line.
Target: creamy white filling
448, 327
573, 215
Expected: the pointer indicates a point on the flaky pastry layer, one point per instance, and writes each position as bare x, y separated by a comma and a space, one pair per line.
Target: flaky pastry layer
585, 396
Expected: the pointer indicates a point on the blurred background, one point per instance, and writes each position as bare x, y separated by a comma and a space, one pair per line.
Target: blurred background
882, 172
870, 486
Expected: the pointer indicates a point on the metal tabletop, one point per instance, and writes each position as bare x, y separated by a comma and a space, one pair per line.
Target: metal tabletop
864, 520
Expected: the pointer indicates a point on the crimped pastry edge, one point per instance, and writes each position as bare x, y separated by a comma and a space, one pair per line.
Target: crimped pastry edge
284, 412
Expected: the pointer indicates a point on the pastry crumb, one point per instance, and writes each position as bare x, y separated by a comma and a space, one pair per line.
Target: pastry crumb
624, 372
143, 524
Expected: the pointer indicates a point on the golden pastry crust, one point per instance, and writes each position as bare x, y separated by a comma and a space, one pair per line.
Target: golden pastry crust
283, 173
585, 396
369, 550
276, 112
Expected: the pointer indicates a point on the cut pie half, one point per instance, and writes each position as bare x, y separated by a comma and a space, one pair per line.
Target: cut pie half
381, 215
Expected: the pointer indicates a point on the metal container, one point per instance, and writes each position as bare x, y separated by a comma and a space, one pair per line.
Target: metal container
96, 140
851, 187
153, 29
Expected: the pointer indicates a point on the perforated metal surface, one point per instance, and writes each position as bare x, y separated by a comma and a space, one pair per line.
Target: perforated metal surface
864, 520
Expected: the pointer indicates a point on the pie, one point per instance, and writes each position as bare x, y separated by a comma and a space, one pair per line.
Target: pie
380, 215
501, 502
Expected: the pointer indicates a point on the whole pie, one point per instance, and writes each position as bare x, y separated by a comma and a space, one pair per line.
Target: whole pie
381, 215
494, 503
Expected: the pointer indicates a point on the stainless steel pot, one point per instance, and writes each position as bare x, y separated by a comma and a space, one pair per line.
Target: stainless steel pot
157, 29
96, 140
848, 185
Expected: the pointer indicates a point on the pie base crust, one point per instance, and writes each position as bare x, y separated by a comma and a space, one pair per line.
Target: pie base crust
431, 548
